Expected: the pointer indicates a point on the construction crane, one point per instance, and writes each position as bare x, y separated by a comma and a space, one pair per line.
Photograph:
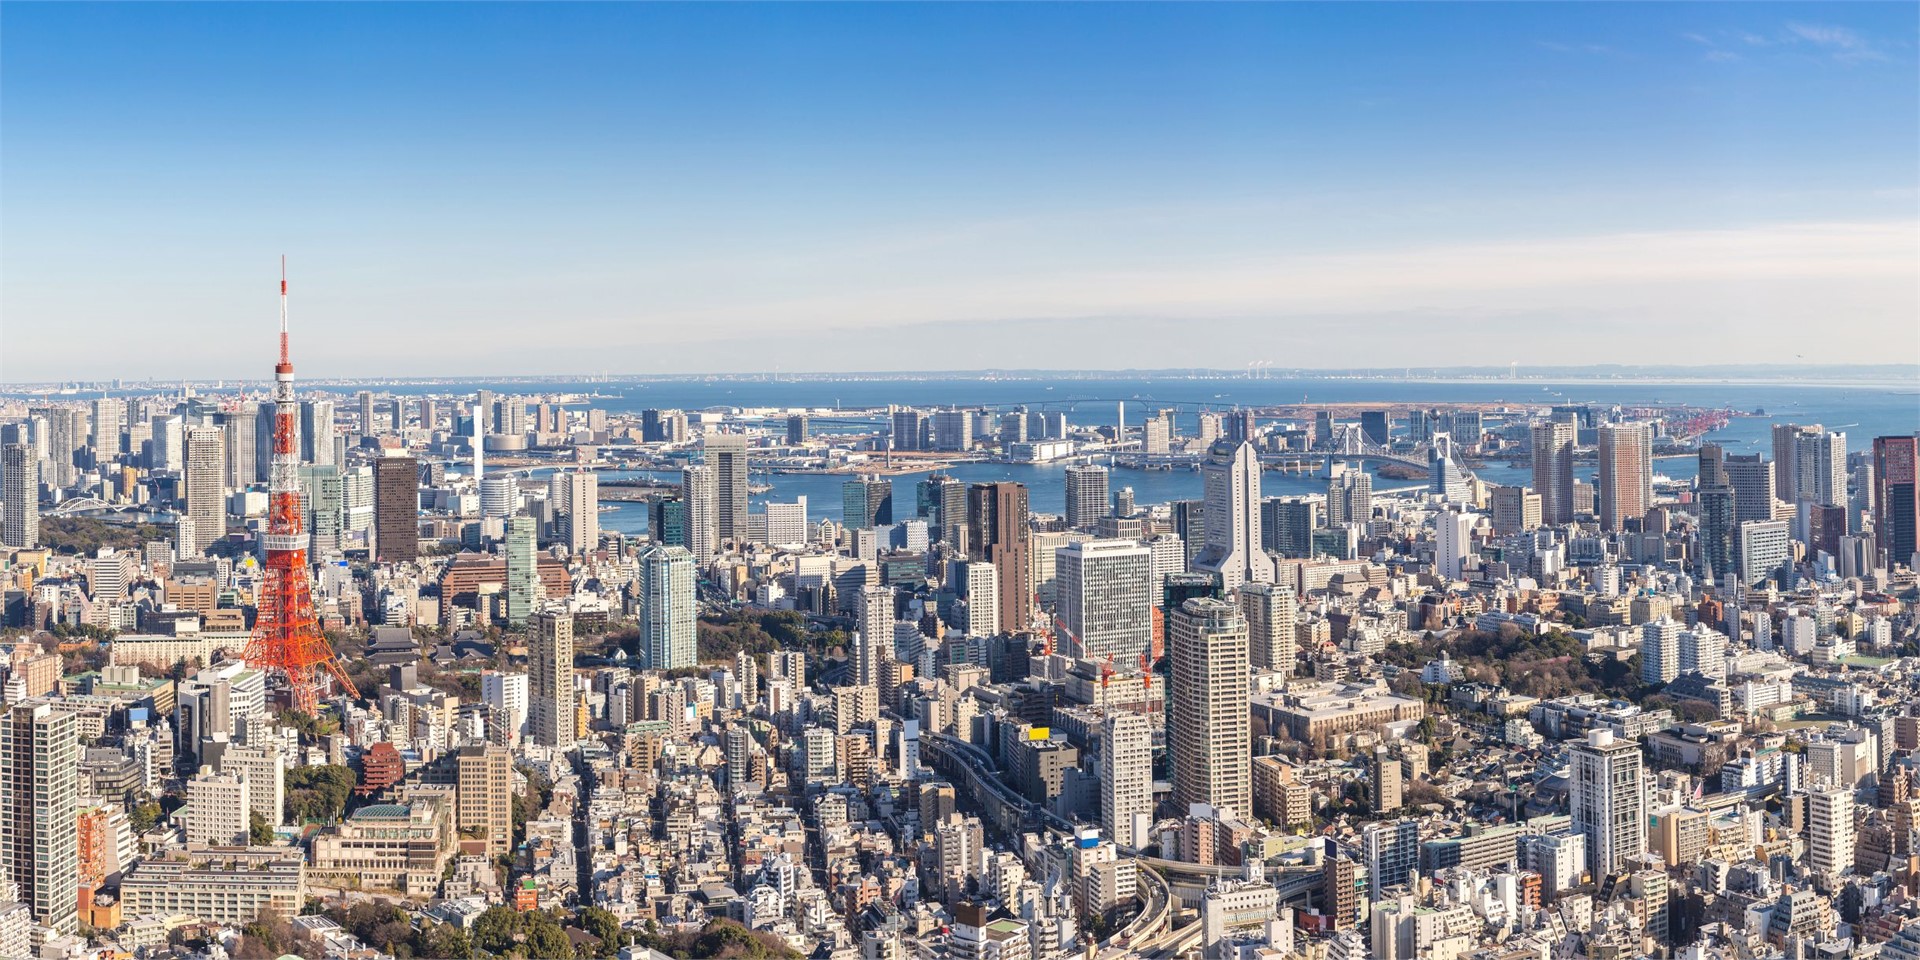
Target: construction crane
1061, 625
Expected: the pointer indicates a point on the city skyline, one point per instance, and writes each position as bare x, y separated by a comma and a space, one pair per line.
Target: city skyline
658, 189
1200, 481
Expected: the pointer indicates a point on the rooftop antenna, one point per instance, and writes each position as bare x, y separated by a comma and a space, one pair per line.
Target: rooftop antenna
286, 361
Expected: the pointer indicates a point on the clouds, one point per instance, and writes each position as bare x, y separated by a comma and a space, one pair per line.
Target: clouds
1596, 49
1106, 288
1728, 293
1837, 43
1843, 44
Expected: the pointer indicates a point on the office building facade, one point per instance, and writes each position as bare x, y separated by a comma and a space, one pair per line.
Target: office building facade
1207, 723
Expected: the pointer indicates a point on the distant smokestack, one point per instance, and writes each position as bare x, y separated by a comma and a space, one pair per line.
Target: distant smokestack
479, 455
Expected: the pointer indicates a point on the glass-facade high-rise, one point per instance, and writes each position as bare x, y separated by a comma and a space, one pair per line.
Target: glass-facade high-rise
523, 575
669, 633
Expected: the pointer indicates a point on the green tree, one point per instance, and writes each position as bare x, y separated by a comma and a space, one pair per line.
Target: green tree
394, 935
318, 792
443, 941
144, 815
548, 941
605, 926
494, 930
259, 831
310, 726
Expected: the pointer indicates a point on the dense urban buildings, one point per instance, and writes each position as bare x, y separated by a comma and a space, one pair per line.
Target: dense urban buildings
960, 482
1348, 706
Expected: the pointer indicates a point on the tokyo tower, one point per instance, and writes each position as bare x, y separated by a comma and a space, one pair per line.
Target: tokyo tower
286, 633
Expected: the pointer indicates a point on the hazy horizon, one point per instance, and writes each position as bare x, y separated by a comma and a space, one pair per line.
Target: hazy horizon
1864, 374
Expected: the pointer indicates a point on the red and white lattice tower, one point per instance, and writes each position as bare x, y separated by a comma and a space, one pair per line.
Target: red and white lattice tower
286, 633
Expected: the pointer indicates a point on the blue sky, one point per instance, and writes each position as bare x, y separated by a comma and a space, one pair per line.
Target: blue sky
509, 189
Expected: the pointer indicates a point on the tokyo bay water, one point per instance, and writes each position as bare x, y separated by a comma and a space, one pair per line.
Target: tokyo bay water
1862, 410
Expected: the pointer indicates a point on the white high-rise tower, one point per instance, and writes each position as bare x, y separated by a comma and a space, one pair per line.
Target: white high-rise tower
1232, 550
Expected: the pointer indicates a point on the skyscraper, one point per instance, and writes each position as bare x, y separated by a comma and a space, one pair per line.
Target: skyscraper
356, 500
1452, 543
1207, 721
109, 424
550, 678
1786, 472
1232, 551
1390, 849
505, 696
1377, 425
942, 500
576, 504
1126, 784
1270, 614
1349, 497
20, 493
866, 502
40, 808
1762, 546
242, 446
874, 646
1515, 510
1896, 502
169, 449
1714, 504
1086, 495
1752, 480
983, 598
726, 454
1820, 466
1830, 828
523, 576
510, 416
952, 429
702, 525
796, 429
364, 399
396, 509
1660, 650
321, 493
316, 432
1239, 428
667, 520
1444, 477
483, 794
499, 495
669, 637
998, 532
907, 430
787, 523
483, 402
1553, 471
1287, 525
67, 429
1609, 800
1106, 593
1626, 473
206, 494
